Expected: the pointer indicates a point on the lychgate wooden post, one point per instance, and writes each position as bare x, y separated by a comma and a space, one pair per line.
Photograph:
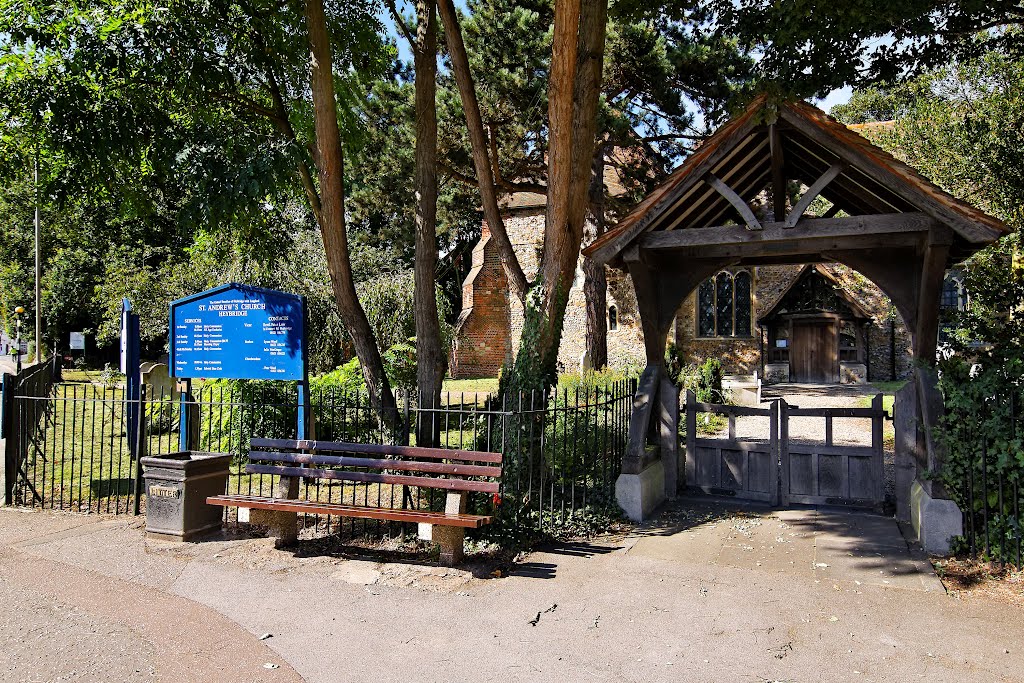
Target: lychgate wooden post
668, 424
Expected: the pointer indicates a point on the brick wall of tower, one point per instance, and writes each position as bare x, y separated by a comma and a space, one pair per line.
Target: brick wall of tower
481, 341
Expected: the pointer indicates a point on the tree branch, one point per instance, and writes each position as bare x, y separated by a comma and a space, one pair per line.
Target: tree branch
284, 126
403, 27
505, 184
467, 92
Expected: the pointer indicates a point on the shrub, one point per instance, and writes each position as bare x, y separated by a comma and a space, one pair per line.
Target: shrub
675, 363
709, 382
591, 380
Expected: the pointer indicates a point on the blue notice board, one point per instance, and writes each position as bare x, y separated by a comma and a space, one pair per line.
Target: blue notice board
239, 332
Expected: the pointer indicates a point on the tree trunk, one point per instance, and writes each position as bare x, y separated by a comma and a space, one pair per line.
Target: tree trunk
481, 157
574, 85
431, 359
595, 281
331, 166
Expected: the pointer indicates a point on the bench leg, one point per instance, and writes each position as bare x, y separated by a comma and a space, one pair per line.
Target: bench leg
452, 539
283, 526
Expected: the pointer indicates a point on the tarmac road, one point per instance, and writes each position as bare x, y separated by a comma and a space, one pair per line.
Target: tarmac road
703, 594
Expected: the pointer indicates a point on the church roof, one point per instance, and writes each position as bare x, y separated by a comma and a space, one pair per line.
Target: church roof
532, 200
807, 144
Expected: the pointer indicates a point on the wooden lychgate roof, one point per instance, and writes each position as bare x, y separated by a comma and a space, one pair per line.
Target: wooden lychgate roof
770, 145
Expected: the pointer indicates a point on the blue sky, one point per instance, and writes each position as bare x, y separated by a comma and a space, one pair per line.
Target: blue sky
841, 96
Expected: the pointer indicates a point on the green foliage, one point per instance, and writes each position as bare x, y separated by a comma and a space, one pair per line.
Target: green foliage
234, 411
160, 180
960, 125
807, 49
566, 454
709, 382
675, 362
345, 378
593, 382
400, 364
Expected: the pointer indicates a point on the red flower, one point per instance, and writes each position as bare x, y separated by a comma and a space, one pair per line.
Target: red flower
496, 499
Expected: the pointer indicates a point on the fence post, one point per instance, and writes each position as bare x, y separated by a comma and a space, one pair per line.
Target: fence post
6, 413
878, 448
784, 448
774, 452
691, 438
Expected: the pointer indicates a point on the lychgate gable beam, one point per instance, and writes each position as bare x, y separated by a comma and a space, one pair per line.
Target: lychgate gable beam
778, 171
813, 192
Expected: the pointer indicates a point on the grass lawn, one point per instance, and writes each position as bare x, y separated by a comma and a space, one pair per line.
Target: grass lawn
888, 391
486, 385
71, 375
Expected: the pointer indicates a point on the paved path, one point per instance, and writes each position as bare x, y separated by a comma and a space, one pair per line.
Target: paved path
704, 594
7, 365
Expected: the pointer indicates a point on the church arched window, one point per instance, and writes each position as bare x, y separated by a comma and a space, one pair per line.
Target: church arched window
724, 305
954, 299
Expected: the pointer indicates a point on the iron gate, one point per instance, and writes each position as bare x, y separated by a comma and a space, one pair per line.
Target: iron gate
780, 470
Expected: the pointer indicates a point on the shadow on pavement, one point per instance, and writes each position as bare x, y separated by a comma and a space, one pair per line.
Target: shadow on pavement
820, 544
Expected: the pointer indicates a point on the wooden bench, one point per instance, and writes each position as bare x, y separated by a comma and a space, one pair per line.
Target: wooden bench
459, 472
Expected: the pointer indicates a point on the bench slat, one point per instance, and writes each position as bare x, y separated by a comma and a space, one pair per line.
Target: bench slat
403, 480
379, 449
406, 465
340, 510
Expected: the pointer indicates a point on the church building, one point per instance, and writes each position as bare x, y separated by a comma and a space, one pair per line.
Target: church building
812, 323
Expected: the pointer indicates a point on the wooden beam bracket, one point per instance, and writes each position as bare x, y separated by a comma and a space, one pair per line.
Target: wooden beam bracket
813, 191
737, 202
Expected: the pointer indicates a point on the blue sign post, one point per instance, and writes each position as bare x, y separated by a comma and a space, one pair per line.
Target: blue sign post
241, 332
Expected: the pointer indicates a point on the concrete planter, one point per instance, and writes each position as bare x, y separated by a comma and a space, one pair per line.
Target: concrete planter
177, 486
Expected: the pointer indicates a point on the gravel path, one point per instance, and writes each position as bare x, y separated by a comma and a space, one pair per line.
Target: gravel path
845, 431
851, 431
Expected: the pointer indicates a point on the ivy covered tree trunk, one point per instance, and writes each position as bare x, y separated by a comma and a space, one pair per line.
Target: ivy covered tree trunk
431, 359
575, 80
330, 164
595, 280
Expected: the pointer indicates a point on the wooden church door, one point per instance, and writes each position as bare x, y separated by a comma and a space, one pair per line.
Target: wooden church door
814, 352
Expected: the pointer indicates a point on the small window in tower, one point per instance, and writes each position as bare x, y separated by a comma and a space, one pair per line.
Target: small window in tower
613, 318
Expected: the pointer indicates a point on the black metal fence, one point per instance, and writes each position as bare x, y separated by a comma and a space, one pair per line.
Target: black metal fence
23, 425
563, 451
987, 483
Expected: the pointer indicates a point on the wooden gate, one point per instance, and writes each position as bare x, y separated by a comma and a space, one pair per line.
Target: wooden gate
747, 469
779, 470
826, 473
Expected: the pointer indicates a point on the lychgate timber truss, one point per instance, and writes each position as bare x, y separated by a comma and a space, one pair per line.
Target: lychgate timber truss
783, 184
